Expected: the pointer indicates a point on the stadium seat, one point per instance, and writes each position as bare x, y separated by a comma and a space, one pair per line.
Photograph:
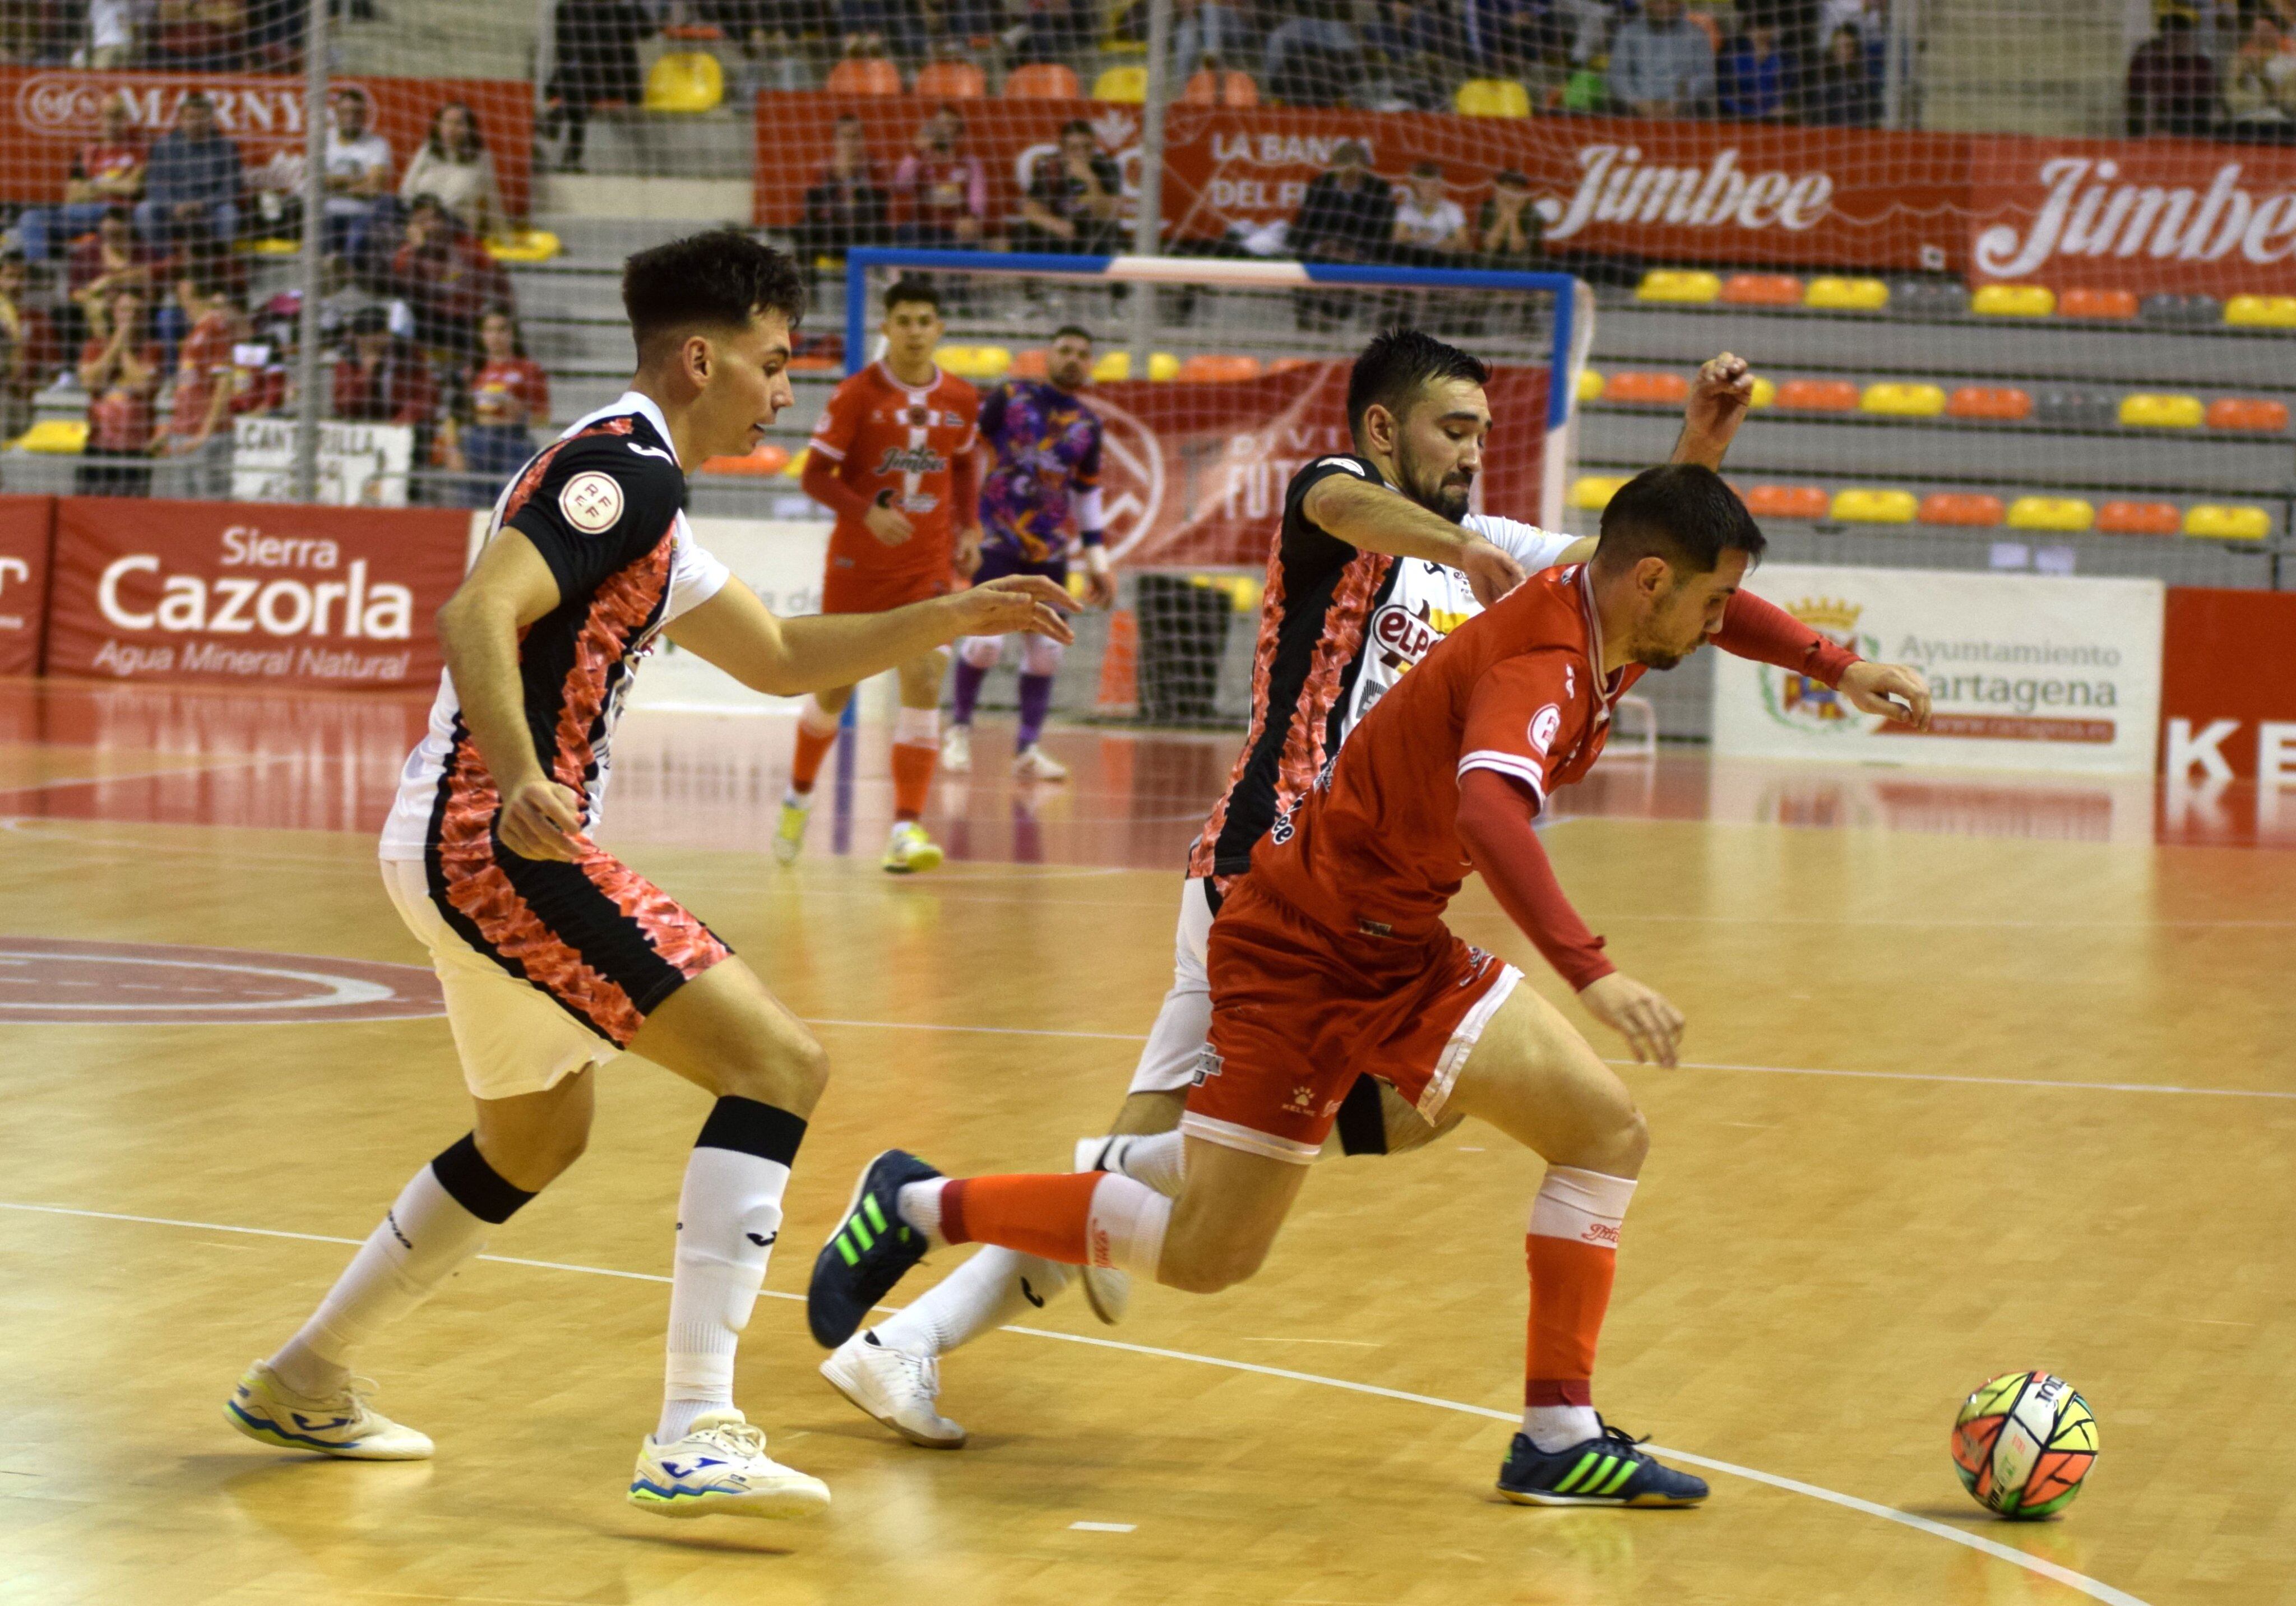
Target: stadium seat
864, 74
1029, 363
950, 81
2140, 518
1285, 364
974, 362
2065, 514
1860, 505
2074, 407
1847, 295
1900, 400
527, 245
2013, 302
2190, 312
1818, 395
1590, 385
1125, 86
1968, 510
2098, 304
1042, 81
61, 436
794, 468
1491, 97
2244, 413
1594, 491
1788, 501
1928, 298
2261, 312
2214, 522
1218, 368
767, 459
1765, 392
1677, 284
685, 81
1647, 389
1762, 289
1999, 403
1229, 88
1117, 365
2146, 410
271, 245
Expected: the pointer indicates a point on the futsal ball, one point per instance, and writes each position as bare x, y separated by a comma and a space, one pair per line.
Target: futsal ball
2022, 1443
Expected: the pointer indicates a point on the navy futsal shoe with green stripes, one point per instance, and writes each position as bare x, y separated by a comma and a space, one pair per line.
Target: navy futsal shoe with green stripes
869, 1252
1609, 1470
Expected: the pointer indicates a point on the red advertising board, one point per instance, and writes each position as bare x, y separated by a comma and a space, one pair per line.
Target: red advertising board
2228, 684
47, 113
27, 524
266, 593
2165, 214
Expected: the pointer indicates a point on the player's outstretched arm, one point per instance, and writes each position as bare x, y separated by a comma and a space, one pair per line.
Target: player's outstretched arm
509, 588
783, 658
1767, 633
1375, 519
1719, 399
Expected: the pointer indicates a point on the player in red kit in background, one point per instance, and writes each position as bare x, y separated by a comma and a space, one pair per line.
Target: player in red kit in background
892, 457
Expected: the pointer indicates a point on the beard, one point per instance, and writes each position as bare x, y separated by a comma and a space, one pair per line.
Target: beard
1445, 496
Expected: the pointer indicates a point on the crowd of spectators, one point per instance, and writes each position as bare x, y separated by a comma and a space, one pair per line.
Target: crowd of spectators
161, 35
2226, 70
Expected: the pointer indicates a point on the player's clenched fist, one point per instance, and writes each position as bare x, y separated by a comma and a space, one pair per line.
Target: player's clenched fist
888, 523
1895, 691
1020, 601
1491, 572
539, 821
1651, 1027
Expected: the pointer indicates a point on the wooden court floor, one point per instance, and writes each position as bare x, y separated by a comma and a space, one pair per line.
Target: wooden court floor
1987, 1075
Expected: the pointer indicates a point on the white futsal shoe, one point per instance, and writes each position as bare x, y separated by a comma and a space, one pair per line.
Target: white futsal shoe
342, 1425
956, 750
1106, 1289
899, 1389
720, 1468
1033, 763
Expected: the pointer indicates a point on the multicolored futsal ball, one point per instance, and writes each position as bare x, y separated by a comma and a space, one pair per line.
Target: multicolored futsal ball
2022, 1443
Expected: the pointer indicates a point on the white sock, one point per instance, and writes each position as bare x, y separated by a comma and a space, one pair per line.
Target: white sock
1159, 1158
917, 727
1125, 1226
424, 1239
987, 1291
919, 1205
1554, 1428
729, 1213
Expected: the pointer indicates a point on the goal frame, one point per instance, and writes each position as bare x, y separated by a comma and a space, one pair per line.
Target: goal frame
1573, 319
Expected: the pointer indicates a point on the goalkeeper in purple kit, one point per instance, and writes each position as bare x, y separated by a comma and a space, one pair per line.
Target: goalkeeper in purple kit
1042, 480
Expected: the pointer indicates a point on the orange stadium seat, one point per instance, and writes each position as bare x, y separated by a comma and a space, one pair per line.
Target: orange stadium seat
1660, 389
2097, 304
1285, 364
2140, 518
1029, 363
1218, 368
2246, 412
950, 81
1788, 501
766, 459
1228, 88
1818, 395
1042, 81
1971, 509
1995, 402
1762, 289
864, 74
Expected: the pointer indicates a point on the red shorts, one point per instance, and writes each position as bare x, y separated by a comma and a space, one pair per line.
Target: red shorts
847, 586
1298, 1011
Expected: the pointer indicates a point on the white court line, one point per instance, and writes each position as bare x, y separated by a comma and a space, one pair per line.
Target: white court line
1105, 1528
2091, 1588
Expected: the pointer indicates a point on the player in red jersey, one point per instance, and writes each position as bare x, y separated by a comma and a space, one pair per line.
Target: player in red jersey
893, 458
1330, 959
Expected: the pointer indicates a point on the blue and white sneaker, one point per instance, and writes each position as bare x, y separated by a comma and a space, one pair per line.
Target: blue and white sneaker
1609, 1470
872, 1248
344, 1425
720, 1468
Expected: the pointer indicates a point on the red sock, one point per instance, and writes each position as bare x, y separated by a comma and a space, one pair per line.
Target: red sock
1570, 1291
1043, 1216
812, 747
913, 774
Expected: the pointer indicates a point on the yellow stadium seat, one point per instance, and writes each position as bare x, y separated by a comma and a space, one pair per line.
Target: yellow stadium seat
1847, 295
1125, 86
2214, 522
1766, 391
1491, 97
2013, 302
1902, 400
1590, 385
2147, 412
686, 80
527, 245
1595, 491
1117, 365
1677, 284
2060, 513
973, 362
1874, 507
795, 468
2262, 312
63, 436
271, 246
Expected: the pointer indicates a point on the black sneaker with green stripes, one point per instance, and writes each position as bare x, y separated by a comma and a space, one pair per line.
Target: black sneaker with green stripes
870, 1251
1608, 1471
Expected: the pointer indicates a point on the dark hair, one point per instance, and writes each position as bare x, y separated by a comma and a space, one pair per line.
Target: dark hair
1078, 329
911, 292
497, 309
1397, 364
1426, 169
1076, 125
473, 146
1681, 512
718, 279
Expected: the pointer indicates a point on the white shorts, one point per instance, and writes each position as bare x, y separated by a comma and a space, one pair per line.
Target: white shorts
1167, 1064
512, 1036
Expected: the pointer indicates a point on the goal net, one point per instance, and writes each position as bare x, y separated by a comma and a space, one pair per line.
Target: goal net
1214, 381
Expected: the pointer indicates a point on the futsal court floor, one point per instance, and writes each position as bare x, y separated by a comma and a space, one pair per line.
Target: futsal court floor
1983, 1073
